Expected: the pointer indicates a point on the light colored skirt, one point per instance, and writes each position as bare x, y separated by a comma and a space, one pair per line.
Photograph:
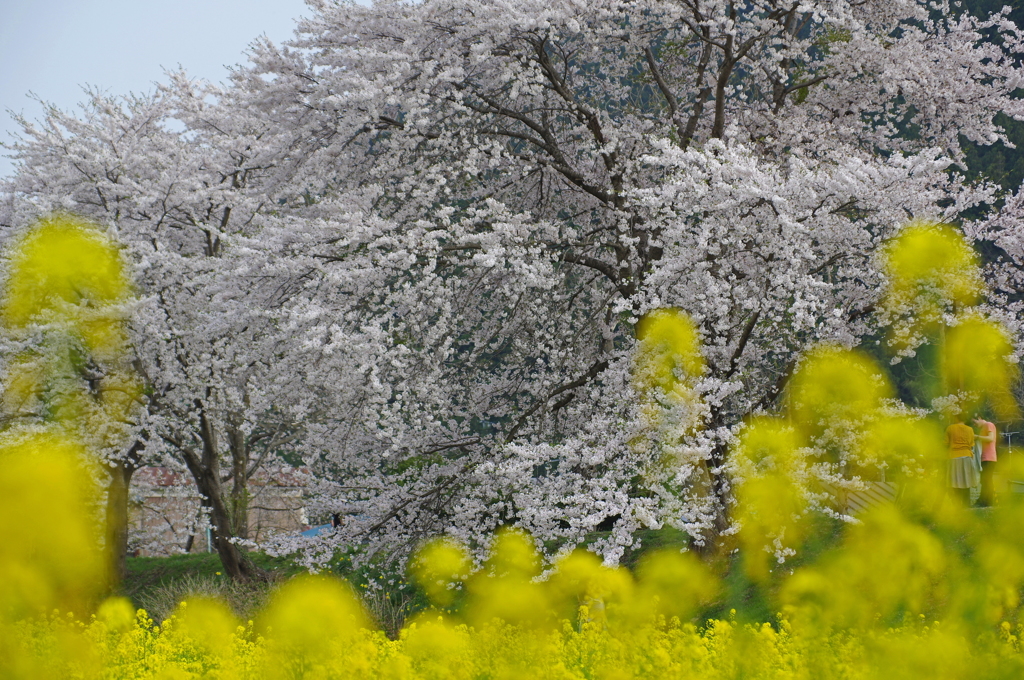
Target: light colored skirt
962, 473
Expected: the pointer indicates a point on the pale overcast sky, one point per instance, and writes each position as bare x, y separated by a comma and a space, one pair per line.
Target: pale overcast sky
53, 47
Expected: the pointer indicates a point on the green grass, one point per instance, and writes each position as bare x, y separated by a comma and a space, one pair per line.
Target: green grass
156, 584
147, 572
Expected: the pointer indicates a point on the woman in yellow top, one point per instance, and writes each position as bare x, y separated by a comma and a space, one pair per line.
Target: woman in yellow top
962, 473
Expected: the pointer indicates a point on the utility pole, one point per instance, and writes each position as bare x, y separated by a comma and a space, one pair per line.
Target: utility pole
1009, 453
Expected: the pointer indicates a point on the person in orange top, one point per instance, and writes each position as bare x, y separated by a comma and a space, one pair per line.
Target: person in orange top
962, 473
988, 459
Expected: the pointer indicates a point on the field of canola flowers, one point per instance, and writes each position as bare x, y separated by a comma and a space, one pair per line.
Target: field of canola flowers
931, 591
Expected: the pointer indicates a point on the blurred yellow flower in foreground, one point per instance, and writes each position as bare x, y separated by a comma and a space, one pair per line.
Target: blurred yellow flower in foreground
931, 272
66, 269
50, 548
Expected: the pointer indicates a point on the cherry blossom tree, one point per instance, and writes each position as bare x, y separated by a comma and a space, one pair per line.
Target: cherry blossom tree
536, 176
174, 183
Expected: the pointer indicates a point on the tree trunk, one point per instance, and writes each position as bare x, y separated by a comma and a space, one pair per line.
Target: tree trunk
117, 516
234, 561
239, 501
713, 546
206, 473
117, 524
